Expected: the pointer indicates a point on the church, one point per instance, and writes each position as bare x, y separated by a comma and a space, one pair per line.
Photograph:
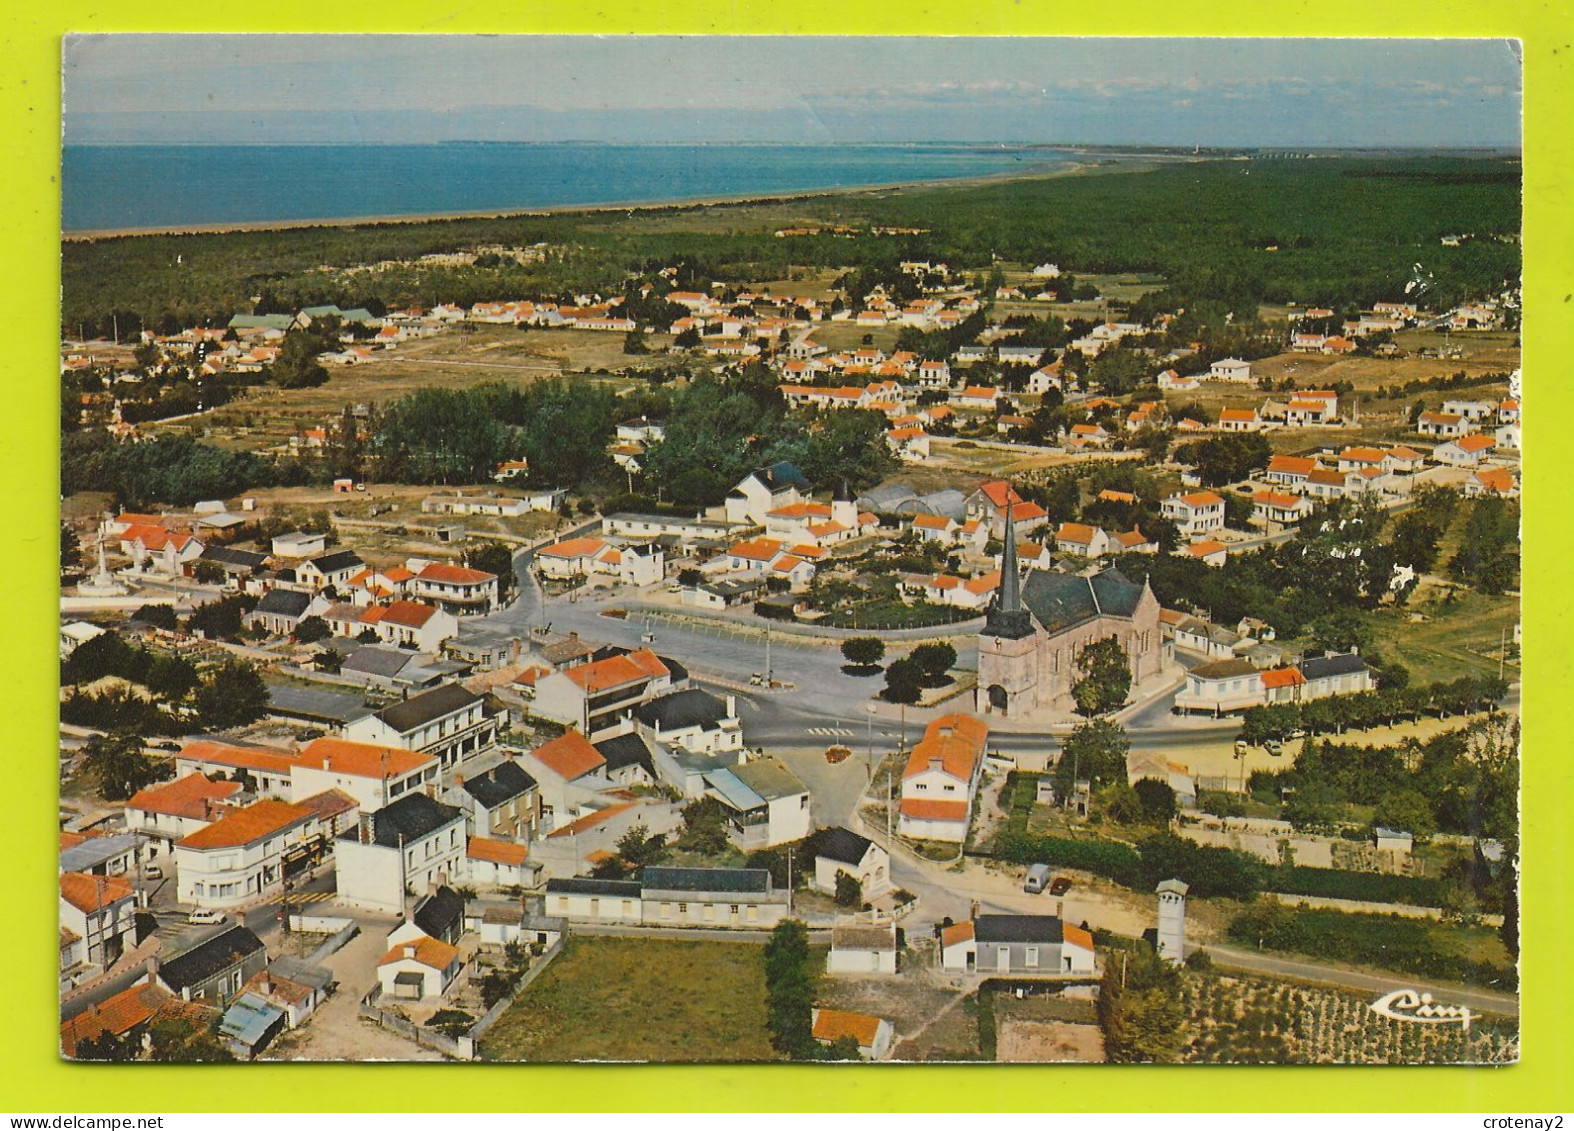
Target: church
1035, 629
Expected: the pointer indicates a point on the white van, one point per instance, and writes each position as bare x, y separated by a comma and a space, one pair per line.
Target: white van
1037, 878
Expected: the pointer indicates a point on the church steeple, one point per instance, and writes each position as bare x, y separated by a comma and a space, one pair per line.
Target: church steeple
1007, 618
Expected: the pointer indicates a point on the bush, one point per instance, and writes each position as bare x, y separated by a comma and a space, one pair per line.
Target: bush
1372, 887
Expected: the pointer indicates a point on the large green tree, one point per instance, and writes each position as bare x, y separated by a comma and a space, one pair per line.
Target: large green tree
1095, 752
1140, 1009
232, 694
1106, 677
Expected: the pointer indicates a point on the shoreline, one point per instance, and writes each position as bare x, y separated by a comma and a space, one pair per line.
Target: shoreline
1091, 164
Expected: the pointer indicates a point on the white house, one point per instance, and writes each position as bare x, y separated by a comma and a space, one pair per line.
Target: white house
764, 490
766, 803
398, 850
418, 968
844, 851
1197, 514
1018, 945
449, 723
1231, 369
874, 1035
862, 950
96, 913
940, 779
245, 855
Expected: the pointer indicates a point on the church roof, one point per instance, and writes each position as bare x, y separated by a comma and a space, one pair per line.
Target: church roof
1062, 600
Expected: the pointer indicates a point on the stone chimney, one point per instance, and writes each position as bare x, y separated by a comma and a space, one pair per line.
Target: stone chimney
513, 650
365, 830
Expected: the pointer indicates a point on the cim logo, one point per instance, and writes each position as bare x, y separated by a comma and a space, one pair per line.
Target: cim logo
1408, 1005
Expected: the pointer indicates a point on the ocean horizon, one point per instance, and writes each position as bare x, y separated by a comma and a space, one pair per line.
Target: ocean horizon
130, 186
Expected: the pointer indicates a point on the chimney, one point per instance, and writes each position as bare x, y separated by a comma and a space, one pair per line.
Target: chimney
513, 650
732, 706
459, 781
265, 986
1060, 908
365, 828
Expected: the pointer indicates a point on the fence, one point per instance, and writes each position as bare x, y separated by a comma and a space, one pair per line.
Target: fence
501, 1005
340, 931
461, 1048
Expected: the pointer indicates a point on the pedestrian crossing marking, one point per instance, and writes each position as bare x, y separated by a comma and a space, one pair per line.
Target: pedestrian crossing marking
300, 897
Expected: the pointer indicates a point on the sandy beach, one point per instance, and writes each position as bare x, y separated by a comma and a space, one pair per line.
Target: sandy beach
1098, 163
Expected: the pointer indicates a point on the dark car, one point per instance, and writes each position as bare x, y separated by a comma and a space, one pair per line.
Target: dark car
1059, 886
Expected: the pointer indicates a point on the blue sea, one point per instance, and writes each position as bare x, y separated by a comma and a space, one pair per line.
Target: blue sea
157, 186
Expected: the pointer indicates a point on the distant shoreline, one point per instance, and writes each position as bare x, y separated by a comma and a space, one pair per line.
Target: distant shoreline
1125, 162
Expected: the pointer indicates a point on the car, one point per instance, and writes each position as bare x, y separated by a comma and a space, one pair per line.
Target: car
1060, 885
1037, 877
153, 872
205, 917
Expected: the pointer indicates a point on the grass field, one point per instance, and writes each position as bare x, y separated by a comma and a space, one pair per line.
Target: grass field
1458, 638
640, 999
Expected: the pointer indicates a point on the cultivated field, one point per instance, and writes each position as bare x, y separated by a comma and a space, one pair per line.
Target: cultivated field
640, 999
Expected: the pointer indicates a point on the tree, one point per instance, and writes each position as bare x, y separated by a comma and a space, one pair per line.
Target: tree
936, 659
1095, 752
689, 578
494, 558
1408, 810
1157, 799
231, 695
70, 550
638, 848
849, 891
1139, 1008
311, 629
789, 991
367, 636
208, 573
1106, 677
705, 826
1341, 631
120, 767
1313, 807
863, 653
904, 682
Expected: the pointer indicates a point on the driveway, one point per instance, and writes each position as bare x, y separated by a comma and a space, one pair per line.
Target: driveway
335, 1031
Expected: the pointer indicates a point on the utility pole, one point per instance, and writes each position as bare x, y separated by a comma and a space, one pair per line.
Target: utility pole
768, 681
789, 881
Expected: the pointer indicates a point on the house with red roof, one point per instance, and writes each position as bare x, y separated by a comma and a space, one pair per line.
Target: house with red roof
1444, 425
1280, 507
990, 501
418, 969
597, 697
163, 814
414, 624
1210, 552
96, 912
1496, 481
564, 768
1465, 451
453, 588
873, 1035
1082, 539
1239, 420
374, 775
941, 778
244, 857
269, 768
1197, 513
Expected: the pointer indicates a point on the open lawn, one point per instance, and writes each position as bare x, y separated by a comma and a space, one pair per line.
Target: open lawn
1483, 353
1458, 638
640, 999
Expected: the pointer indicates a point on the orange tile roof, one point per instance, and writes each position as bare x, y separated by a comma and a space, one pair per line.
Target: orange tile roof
1276, 498
983, 583
1475, 442
1075, 532
92, 893
923, 809
1076, 936
1205, 549
1202, 499
131, 518
239, 757
1363, 455
787, 564
1108, 496
118, 1014
1021, 511
192, 796
246, 826
1292, 464
570, 755
573, 548
757, 549
455, 574
809, 553
428, 952
956, 933
804, 509
931, 521
1238, 414
1133, 537
410, 614
957, 740
329, 803
1283, 677
1499, 479
362, 759
832, 1024
615, 671
1403, 452
1000, 493
590, 821
1327, 476
496, 851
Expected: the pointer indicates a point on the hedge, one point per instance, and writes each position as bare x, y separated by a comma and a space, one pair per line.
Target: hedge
1332, 883
1118, 862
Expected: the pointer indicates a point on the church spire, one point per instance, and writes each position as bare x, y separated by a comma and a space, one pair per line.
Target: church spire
1010, 576
1007, 618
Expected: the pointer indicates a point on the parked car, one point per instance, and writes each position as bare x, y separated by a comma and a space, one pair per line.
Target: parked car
153, 872
205, 917
1059, 886
1037, 878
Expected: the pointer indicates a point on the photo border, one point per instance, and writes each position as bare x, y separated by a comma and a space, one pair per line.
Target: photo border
37, 1080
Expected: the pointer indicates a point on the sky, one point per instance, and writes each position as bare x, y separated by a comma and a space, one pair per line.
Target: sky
365, 89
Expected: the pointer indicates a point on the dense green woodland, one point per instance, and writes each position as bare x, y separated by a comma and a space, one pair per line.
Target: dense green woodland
1348, 231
